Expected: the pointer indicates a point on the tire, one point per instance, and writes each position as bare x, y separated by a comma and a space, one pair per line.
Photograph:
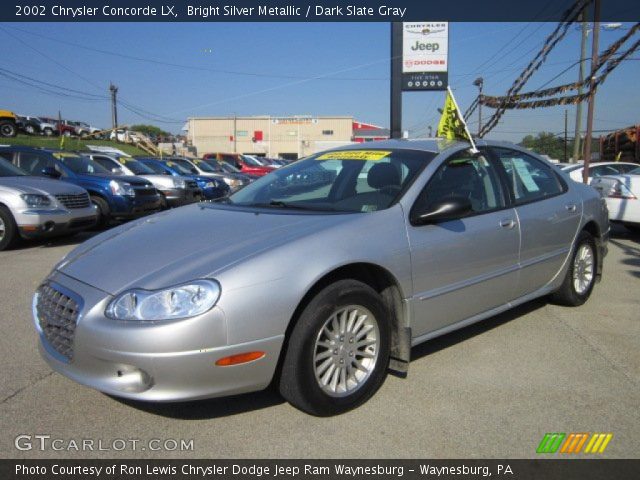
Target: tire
311, 354
104, 213
48, 132
30, 130
66, 133
584, 259
8, 229
8, 128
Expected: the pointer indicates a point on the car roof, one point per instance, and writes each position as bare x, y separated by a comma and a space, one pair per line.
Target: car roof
434, 145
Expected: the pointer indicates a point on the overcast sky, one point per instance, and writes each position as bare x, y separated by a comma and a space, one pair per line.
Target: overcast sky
269, 69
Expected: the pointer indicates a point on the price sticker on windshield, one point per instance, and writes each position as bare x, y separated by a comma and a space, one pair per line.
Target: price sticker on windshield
365, 155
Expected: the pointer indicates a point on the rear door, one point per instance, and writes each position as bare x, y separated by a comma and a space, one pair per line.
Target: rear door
463, 267
549, 214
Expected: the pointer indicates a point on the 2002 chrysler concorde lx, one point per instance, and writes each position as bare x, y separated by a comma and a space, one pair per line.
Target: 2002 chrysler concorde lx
321, 275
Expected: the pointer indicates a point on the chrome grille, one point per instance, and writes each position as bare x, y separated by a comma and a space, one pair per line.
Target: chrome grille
57, 316
74, 201
144, 191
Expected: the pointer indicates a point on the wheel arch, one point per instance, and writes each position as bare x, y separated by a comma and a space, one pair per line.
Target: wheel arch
593, 229
390, 290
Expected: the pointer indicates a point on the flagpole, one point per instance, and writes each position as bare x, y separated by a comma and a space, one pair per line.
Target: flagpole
461, 118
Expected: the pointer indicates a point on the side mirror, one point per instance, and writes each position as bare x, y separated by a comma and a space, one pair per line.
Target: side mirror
51, 172
451, 208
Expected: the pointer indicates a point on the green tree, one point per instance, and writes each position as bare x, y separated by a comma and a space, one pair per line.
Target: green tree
150, 130
546, 143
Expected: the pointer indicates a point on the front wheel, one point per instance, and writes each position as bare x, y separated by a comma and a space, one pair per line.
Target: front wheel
8, 228
8, 128
48, 132
581, 275
338, 351
104, 215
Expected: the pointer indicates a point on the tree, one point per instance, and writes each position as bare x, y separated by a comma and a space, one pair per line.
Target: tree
546, 143
150, 130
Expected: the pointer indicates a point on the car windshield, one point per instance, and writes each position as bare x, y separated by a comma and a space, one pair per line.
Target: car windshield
340, 181
137, 167
253, 161
155, 168
81, 165
227, 167
204, 166
182, 167
635, 171
214, 164
9, 170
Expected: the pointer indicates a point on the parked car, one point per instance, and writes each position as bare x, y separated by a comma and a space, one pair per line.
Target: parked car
83, 129
245, 164
33, 207
175, 191
115, 197
34, 126
8, 124
622, 194
598, 169
326, 288
124, 136
228, 173
212, 188
196, 166
62, 127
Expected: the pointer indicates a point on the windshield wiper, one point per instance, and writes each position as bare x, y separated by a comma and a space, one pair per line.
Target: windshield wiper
293, 206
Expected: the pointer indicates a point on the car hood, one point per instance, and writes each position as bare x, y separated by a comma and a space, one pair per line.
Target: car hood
33, 184
180, 245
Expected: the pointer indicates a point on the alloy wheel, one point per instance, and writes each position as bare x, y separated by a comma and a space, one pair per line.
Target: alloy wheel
583, 269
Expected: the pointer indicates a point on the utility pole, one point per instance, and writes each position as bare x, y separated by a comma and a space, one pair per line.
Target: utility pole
479, 82
430, 131
592, 93
114, 107
396, 80
566, 122
583, 55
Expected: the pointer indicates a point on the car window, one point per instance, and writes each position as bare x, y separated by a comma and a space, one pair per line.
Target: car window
80, 165
156, 167
34, 163
529, 178
8, 156
7, 169
602, 170
109, 164
624, 168
467, 176
185, 166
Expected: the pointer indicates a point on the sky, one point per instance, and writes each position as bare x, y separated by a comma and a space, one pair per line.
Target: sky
289, 69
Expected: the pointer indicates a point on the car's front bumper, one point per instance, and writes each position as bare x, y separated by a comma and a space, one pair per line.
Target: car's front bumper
134, 207
155, 361
176, 197
36, 223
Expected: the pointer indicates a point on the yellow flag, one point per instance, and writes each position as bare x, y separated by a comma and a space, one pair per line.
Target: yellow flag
451, 125
62, 142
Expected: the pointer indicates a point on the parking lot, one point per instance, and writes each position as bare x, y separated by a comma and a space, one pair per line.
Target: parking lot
490, 390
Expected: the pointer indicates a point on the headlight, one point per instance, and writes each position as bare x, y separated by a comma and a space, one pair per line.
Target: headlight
181, 301
179, 183
35, 200
232, 182
121, 188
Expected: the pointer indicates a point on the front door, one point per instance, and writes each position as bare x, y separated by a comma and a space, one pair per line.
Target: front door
463, 267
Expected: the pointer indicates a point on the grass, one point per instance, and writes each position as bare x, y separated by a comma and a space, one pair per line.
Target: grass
70, 143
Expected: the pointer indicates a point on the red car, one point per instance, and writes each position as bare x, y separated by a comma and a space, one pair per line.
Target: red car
64, 128
246, 164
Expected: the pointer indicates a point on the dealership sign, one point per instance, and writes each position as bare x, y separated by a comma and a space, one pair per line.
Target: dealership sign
425, 48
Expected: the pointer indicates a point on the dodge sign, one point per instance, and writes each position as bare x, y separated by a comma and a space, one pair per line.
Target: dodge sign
425, 48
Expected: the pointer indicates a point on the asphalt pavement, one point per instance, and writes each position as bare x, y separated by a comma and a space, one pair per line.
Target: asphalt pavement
491, 390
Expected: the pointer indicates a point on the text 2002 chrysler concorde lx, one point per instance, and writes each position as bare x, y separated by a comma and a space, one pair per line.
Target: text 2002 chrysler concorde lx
320, 275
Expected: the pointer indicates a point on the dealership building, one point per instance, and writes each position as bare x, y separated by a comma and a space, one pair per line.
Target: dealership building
285, 137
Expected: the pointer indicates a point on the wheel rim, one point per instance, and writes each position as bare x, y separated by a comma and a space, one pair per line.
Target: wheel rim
346, 351
2, 229
7, 130
583, 269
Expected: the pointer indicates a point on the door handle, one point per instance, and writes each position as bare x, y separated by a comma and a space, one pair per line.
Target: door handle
571, 207
507, 223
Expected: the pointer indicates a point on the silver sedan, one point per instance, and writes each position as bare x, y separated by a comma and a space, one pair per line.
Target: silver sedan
320, 286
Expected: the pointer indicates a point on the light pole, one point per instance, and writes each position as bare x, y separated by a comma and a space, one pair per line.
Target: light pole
479, 82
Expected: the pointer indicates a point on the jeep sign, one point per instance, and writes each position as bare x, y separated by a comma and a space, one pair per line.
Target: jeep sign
425, 48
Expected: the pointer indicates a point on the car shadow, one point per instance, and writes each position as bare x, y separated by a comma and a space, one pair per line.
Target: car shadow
631, 252
210, 408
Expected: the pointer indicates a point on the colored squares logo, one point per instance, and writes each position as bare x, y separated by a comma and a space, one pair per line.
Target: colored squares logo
574, 443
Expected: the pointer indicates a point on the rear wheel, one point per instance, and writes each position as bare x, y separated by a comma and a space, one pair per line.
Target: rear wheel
8, 229
8, 128
48, 132
581, 275
338, 351
30, 129
104, 214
